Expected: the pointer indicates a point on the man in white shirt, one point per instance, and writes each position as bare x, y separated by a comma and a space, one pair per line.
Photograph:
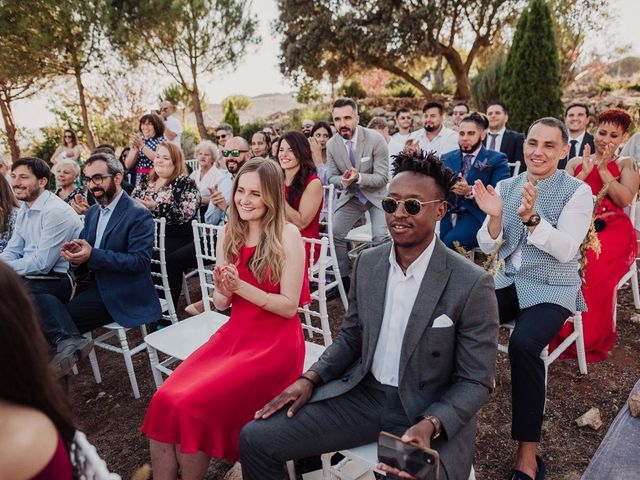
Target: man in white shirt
537, 221
434, 137
576, 118
499, 138
404, 122
172, 126
416, 354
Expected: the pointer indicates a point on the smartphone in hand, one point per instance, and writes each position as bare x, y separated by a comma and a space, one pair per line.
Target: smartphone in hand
422, 463
71, 247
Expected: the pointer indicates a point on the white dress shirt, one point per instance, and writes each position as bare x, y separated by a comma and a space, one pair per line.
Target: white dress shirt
499, 137
402, 290
444, 142
174, 125
562, 242
103, 219
208, 181
396, 145
40, 231
579, 140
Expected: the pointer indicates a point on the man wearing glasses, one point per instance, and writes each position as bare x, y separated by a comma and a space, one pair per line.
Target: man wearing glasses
172, 126
224, 132
112, 261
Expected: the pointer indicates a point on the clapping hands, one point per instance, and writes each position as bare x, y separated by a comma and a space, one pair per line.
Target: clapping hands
226, 279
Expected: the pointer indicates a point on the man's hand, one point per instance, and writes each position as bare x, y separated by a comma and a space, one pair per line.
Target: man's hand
80, 204
218, 199
462, 188
350, 176
528, 201
487, 199
419, 434
80, 253
299, 392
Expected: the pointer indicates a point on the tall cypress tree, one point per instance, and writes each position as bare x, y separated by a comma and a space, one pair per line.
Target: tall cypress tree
231, 117
531, 84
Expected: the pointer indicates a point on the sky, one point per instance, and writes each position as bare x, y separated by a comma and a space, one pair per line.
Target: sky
258, 72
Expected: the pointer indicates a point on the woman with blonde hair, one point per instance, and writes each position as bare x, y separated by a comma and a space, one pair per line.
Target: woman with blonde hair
199, 411
67, 173
169, 193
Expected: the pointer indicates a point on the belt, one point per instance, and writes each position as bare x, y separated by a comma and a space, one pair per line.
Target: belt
145, 171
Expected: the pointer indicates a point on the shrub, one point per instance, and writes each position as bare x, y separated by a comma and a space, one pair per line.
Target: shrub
485, 86
248, 129
353, 89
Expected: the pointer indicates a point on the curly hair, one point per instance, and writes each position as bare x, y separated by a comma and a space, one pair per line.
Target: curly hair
428, 164
616, 116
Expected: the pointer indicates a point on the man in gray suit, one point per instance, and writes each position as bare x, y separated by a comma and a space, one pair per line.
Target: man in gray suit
416, 354
357, 163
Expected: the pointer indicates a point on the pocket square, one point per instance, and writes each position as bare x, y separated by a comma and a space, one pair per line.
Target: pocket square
365, 159
442, 321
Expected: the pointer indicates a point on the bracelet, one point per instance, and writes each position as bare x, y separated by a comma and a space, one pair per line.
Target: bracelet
307, 379
436, 425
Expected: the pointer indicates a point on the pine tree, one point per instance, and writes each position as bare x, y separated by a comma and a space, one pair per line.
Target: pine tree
531, 84
231, 116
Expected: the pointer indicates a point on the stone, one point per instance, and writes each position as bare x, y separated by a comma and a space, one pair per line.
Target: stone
590, 419
635, 318
634, 404
235, 473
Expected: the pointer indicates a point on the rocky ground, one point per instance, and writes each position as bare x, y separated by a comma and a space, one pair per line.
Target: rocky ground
111, 418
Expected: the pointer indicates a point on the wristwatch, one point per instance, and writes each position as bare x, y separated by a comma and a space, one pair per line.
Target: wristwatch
533, 220
437, 425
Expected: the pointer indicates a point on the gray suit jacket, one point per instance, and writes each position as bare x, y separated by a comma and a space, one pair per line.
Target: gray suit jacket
447, 372
372, 161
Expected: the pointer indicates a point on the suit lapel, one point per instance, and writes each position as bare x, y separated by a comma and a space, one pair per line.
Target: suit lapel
375, 302
118, 213
505, 146
91, 225
433, 283
359, 147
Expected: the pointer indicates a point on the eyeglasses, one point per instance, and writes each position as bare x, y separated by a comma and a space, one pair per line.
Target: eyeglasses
220, 137
96, 179
232, 153
412, 206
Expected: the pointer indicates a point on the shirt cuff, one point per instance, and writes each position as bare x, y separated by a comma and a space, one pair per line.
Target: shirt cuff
540, 235
485, 242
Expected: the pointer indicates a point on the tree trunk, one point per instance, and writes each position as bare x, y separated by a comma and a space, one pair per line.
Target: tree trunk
438, 75
85, 113
463, 92
10, 127
197, 111
398, 72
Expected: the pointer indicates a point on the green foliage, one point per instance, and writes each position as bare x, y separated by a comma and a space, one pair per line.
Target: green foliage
316, 113
248, 129
485, 86
231, 116
189, 140
353, 89
531, 83
241, 102
365, 116
308, 92
44, 147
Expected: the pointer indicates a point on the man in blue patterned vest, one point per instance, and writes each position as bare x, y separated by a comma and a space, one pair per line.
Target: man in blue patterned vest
542, 216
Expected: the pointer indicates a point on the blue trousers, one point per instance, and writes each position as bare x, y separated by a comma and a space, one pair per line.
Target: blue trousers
465, 231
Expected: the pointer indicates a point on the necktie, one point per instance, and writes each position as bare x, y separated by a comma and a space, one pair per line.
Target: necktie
492, 143
572, 152
467, 160
352, 159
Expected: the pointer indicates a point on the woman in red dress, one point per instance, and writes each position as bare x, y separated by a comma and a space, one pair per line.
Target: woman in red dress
616, 234
199, 411
303, 188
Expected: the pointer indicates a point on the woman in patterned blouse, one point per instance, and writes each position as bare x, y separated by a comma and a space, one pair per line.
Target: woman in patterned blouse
140, 158
8, 212
169, 193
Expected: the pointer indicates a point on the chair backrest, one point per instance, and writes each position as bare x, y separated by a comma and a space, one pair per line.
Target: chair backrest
516, 168
159, 273
326, 214
87, 462
204, 239
193, 165
317, 274
633, 213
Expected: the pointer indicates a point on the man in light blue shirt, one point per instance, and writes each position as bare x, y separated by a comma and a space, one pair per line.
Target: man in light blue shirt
44, 224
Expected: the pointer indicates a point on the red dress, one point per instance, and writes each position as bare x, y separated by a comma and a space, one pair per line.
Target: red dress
59, 467
207, 400
313, 229
618, 251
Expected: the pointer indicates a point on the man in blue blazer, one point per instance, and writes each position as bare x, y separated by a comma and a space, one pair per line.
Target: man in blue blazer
472, 161
113, 261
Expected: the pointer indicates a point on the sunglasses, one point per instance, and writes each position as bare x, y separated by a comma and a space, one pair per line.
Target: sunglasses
96, 179
220, 137
412, 206
232, 153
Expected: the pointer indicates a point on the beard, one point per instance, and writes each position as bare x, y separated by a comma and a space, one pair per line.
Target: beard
431, 128
472, 148
29, 194
108, 194
347, 133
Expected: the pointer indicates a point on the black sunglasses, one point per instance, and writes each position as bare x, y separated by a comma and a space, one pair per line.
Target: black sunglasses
233, 153
96, 179
412, 206
220, 137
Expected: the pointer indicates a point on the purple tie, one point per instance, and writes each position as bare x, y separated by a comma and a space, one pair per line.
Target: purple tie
492, 143
467, 160
352, 159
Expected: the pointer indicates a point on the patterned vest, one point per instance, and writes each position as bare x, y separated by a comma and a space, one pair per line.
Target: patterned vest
541, 278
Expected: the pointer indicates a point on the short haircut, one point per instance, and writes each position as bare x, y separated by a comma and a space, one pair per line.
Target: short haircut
226, 127
156, 121
113, 166
428, 164
66, 162
401, 111
36, 165
208, 145
103, 147
616, 116
552, 122
477, 118
345, 102
430, 105
320, 125
499, 103
462, 104
577, 104
378, 123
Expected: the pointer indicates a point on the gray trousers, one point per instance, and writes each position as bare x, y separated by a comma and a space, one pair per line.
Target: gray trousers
339, 423
344, 218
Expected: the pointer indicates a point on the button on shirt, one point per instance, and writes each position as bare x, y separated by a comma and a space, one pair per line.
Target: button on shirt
445, 142
402, 291
40, 231
103, 219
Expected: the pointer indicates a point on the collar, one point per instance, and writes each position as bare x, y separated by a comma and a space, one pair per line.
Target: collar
112, 206
418, 267
39, 203
579, 138
499, 133
473, 154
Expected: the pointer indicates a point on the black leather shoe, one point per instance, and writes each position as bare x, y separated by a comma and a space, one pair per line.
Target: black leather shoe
69, 352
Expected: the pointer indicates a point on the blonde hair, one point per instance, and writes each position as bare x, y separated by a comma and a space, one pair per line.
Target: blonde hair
267, 263
66, 162
177, 159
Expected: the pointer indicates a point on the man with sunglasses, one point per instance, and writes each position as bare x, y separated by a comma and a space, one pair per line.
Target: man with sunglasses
224, 132
472, 161
416, 353
172, 126
112, 261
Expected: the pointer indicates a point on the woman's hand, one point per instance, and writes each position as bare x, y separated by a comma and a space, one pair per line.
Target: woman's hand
218, 282
316, 150
136, 141
149, 202
607, 156
230, 278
